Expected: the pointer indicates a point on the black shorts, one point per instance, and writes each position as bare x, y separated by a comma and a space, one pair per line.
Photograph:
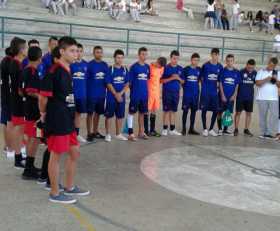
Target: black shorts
244, 105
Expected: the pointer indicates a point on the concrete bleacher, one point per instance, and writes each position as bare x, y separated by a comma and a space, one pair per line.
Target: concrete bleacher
170, 20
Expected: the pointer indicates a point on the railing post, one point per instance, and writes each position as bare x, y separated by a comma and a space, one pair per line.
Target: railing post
263, 50
178, 41
3, 32
223, 49
127, 42
71, 30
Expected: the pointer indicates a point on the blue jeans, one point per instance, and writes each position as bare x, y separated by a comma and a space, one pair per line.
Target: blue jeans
218, 20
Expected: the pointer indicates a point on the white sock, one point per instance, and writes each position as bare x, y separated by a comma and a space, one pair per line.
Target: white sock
130, 121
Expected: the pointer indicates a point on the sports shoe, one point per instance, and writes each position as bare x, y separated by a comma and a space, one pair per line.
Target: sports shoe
62, 199
108, 138
205, 133
227, 133
19, 165
235, 133
90, 138
193, 132
48, 187
132, 138
261, 136
23, 152
220, 132
98, 136
121, 137
174, 133
164, 132
76, 191
30, 174
42, 181
213, 133
143, 136
81, 139
269, 137
184, 132
248, 133
10, 155
155, 134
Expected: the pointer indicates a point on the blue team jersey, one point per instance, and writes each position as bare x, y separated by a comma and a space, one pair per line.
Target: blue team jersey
174, 85
79, 75
138, 78
40, 68
96, 86
25, 62
191, 76
210, 77
47, 61
246, 86
118, 77
229, 80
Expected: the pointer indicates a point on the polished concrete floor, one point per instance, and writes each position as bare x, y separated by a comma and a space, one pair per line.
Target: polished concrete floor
171, 183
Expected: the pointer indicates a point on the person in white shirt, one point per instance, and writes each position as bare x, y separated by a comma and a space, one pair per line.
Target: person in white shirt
268, 82
135, 10
276, 45
72, 4
88, 4
235, 15
97, 4
121, 9
57, 6
210, 15
271, 22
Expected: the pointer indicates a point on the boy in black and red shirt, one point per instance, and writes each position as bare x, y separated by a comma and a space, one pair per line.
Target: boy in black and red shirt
30, 88
57, 107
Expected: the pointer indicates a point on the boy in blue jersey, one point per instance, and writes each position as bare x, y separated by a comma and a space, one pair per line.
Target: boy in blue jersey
229, 80
79, 75
31, 43
209, 91
171, 80
47, 58
117, 84
191, 77
96, 92
139, 74
245, 96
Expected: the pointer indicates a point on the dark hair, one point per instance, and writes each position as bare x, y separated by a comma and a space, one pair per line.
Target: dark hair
55, 54
215, 51
273, 60
33, 41
66, 41
251, 62
16, 45
118, 52
195, 56
174, 53
97, 48
210, 2
53, 38
8, 51
230, 56
142, 49
79, 45
162, 61
34, 53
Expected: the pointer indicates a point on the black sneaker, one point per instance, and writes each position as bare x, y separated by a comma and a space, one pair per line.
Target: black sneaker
90, 138
29, 174
193, 132
227, 133
248, 133
98, 136
235, 133
269, 137
184, 132
19, 165
155, 134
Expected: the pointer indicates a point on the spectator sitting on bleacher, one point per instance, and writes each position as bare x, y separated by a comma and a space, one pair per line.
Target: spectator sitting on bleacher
135, 9
88, 4
271, 22
3, 3
57, 6
71, 4
150, 9
250, 20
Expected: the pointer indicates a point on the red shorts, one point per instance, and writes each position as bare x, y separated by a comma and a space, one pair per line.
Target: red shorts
18, 121
61, 144
30, 129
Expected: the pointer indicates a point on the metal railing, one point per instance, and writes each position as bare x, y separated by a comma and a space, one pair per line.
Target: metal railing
129, 37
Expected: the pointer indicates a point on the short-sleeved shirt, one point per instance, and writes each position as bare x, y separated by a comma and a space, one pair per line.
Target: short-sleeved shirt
246, 86
30, 84
154, 81
118, 77
57, 85
5, 81
47, 62
229, 78
138, 76
210, 77
79, 75
40, 69
174, 85
191, 76
96, 86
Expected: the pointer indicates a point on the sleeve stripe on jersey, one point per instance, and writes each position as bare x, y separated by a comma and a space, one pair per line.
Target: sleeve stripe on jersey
46, 93
31, 90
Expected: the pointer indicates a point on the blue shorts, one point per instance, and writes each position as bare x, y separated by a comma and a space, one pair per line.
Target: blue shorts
226, 106
209, 103
96, 105
170, 101
114, 108
140, 106
190, 103
81, 105
6, 115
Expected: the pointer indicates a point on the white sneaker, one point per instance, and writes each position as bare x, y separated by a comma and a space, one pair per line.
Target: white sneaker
164, 132
108, 138
174, 133
205, 133
121, 137
213, 133
23, 151
81, 139
10, 155
220, 132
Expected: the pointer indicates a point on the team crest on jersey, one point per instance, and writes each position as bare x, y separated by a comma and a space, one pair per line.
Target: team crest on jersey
192, 78
100, 75
119, 79
212, 77
79, 75
229, 80
142, 76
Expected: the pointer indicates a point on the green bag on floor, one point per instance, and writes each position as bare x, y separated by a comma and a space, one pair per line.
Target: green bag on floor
227, 119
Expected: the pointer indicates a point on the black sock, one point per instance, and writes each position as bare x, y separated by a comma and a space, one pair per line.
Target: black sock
45, 163
165, 127
184, 120
146, 123
29, 163
219, 122
18, 158
193, 113
225, 128
152, 122
203, 117
77, 131
213, 120
172, 127
130, 131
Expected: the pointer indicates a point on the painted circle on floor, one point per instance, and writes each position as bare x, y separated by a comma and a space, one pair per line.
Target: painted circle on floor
242, 178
